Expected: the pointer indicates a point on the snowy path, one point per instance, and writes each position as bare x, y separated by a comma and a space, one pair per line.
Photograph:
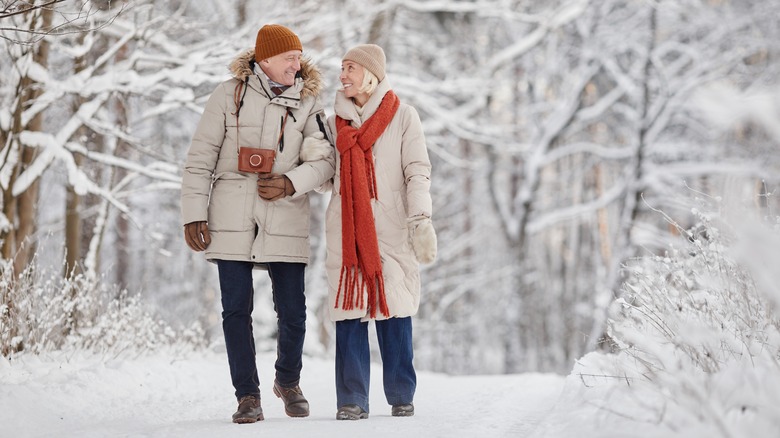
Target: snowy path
88, 396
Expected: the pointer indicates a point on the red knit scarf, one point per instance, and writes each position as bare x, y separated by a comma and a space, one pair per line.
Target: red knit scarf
361, 269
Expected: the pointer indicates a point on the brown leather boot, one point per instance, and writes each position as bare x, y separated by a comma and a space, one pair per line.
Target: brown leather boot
351, 412
403, 410
249, 410
295, 404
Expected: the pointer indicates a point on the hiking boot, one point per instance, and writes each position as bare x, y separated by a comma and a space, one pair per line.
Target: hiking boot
249, 410
351, 412
403, 410
295, 404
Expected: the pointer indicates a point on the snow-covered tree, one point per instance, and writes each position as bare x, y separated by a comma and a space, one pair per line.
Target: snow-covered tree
555, 128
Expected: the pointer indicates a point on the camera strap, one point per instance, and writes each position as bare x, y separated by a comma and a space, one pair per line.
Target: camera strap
238, 97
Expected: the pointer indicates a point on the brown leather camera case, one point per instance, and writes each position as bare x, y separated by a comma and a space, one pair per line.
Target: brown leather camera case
255, 160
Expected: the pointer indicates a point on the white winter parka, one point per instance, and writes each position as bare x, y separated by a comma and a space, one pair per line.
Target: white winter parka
403, 172
243, 226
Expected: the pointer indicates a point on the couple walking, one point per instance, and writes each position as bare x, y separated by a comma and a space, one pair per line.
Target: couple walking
262, 144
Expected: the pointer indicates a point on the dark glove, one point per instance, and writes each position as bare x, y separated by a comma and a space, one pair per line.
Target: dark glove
197, 236
272, 186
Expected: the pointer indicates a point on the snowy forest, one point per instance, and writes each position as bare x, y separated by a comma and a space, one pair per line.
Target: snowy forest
603, 174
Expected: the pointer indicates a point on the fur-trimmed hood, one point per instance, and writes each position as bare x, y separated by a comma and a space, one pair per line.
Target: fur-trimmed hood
241, 68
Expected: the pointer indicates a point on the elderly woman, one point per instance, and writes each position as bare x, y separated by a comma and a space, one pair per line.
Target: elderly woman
378, 229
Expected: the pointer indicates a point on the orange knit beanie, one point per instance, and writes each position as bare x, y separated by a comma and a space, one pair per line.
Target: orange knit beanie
273, 39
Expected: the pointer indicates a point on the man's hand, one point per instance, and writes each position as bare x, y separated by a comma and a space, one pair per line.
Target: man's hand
271, 186
197, 235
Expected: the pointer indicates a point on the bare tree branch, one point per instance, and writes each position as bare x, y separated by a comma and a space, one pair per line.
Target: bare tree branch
5, 14
67, 27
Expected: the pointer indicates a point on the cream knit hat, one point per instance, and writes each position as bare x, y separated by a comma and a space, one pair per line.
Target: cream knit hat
370, 56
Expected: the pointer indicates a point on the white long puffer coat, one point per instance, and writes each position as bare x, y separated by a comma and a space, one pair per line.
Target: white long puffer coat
403, 172
243, 226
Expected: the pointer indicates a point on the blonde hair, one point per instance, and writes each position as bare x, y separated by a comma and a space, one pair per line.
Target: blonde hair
370, 81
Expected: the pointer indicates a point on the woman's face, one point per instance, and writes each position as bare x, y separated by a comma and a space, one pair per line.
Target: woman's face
351, 78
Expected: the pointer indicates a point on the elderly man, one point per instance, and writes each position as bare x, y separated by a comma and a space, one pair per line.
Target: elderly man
258, 149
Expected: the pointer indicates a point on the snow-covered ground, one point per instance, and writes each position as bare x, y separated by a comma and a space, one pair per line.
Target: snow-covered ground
189, 395
82, 395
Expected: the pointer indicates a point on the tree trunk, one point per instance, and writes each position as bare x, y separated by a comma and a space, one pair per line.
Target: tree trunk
21, 210
73, 248
241, 13
73, 222
631, 206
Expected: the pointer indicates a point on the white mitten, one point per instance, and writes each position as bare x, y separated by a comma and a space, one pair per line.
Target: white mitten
315, 148
423, 239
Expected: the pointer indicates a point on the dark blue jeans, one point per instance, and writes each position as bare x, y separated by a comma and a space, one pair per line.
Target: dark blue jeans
353, 361
287, 280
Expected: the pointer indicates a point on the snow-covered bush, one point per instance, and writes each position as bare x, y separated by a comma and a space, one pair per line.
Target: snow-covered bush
43, 311
700, 326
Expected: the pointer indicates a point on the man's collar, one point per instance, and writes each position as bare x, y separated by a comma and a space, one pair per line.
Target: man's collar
259, 72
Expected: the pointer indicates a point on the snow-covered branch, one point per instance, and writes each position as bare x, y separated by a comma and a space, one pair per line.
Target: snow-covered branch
558, 18
53, 146
551, 218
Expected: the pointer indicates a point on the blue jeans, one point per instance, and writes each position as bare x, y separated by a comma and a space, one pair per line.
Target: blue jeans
287, 281
353, 361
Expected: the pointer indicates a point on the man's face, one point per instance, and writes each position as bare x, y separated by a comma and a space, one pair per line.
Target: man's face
282, 68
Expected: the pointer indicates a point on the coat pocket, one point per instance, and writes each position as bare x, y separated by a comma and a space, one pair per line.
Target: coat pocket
228, 205
289, 217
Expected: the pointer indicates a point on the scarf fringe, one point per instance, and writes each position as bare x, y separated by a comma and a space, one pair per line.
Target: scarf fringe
355, 286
